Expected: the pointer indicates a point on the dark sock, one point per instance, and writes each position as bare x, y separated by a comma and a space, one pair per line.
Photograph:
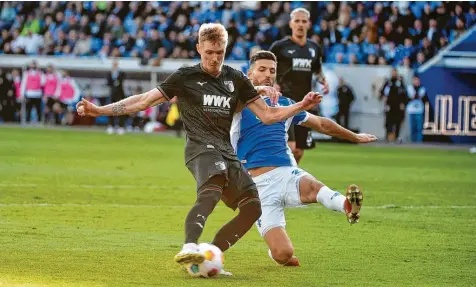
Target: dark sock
230, 233
208, 197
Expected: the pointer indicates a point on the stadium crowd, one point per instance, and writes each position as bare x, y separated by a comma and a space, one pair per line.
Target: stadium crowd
372, 33
396, 33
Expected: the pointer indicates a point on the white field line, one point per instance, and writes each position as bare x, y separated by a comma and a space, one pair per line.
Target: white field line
88, 186
390, 206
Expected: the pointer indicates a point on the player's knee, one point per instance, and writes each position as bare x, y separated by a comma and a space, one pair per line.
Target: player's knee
315, 187
282, 254
309, 193
251, 206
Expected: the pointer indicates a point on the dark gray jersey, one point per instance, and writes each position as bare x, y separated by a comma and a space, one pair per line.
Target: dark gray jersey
296, 65
207, 105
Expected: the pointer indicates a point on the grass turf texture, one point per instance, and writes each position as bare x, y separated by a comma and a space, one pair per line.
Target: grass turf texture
87, 209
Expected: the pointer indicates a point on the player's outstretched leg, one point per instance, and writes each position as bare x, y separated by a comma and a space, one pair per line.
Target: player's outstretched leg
250, 210
312, 190
208, 197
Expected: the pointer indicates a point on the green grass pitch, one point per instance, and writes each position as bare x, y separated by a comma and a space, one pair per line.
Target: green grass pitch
87, 209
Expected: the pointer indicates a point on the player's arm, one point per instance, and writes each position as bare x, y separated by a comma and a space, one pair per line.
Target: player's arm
269, 115
320, 74
167, 90
126, 106
328, 127
250, 96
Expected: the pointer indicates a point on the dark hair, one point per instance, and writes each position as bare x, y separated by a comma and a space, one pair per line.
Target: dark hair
262, 55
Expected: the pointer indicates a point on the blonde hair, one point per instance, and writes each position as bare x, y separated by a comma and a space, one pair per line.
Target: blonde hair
213, 32
301, 10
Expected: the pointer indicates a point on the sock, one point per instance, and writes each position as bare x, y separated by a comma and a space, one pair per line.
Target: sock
208, 197
190, 246
231, 232
331, 199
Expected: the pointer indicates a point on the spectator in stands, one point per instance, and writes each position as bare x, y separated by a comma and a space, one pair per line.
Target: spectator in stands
417, 32
115, 81
433, 34
126, 43
416, 109
98, 28
393, 94
31, 25
458, 31
7, 16
353, 60
335, 36
339, 58
372, 27
371, 60
427, 49
6, 38
67, 52
49, 92
369, 32
420, 60
32, 43
7, 50
345, 95
471, 17
48, 41
32, 91
381, 61
83, 45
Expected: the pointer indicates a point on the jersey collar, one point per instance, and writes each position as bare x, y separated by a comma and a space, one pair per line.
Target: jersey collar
217, 76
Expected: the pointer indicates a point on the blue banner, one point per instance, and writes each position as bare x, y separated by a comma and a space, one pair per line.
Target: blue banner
450, 113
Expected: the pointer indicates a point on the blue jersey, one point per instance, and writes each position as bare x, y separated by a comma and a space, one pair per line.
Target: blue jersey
260, 145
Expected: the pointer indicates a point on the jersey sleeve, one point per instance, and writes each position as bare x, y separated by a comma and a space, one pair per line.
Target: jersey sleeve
246, 92
275, 49
172, 86
300, 117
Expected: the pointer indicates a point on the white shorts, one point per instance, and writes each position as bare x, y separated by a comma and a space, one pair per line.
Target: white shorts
278, 188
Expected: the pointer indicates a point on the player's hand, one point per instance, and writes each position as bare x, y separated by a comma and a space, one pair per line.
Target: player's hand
86, 108
325, 86
271, 92
365, 138
310, 100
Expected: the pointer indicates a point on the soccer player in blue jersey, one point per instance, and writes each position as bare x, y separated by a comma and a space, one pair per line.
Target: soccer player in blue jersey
264, 152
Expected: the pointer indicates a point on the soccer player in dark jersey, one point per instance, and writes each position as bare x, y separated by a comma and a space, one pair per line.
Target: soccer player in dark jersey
208, 94
298, 60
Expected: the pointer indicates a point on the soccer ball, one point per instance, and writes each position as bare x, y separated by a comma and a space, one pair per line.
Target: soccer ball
213, 263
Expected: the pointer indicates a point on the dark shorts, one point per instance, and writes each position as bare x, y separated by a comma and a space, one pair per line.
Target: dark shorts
50, 103
238, 181
302, 136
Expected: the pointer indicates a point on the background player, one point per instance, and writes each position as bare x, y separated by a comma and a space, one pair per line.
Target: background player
298, 60
208, 94
279, 181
